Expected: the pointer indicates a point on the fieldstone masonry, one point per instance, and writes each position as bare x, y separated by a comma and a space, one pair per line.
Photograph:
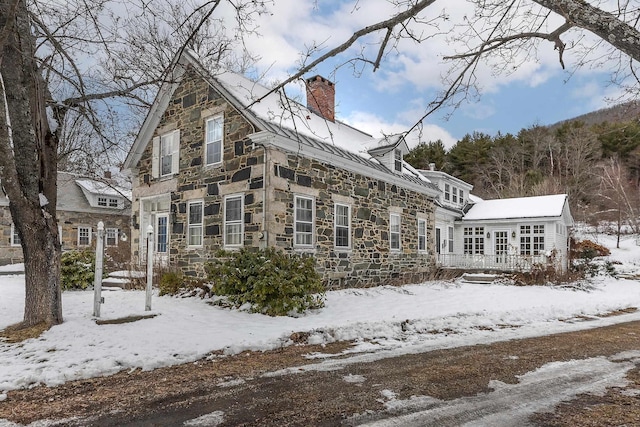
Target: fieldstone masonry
268, 179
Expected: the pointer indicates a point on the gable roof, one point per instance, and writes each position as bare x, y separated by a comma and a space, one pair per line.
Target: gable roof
287, 123
520, 207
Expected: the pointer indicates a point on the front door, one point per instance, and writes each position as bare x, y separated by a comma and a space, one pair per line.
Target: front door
501, 246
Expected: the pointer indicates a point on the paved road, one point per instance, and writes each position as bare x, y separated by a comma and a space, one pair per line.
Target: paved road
501, 384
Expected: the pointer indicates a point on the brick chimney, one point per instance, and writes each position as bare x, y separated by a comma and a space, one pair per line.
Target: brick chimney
321, 97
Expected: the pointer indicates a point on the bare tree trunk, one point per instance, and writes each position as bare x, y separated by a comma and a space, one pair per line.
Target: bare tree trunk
29, 165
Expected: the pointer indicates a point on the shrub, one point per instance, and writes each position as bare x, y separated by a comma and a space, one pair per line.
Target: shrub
272, 282
77, 269
170, 283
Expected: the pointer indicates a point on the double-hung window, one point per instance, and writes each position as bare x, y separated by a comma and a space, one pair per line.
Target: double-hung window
394, 232
473, 240
166, 150
213, 140
111, 237
450, 230
397, 160
15, 238
525, 240
84, 236
422, 235
102, 201
233, 224
194, 237
342, 226
538, 239
303, 218
447, 192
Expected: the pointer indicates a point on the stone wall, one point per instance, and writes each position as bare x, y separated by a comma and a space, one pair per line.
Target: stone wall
368, 262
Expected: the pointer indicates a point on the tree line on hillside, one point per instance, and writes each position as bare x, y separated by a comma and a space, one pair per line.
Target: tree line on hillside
598, 166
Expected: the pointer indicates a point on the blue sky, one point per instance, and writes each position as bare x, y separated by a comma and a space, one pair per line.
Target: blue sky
537, 91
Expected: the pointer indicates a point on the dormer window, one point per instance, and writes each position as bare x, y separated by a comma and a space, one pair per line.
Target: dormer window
397, 164
447, 192
110, 202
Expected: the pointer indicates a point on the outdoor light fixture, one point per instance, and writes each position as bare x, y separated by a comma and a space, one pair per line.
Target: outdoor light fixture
513, 234
174, 213
488, 235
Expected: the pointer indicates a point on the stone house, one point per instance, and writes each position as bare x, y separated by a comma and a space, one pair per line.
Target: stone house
82, 203
221, 163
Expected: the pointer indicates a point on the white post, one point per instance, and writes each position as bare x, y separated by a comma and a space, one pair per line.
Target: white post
147, 306
97, 279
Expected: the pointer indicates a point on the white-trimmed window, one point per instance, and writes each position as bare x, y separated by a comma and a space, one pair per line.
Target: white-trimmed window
447, 192
165, 157
538, 239
84, 236
213, 140
233, 224
461, 195
397, 160
15, 238
473, 240
342, 226
303, 218
111, 237
450, 239
113, 203
422, 235
102, 201
531, 239
454, 195
394, 232
194, 233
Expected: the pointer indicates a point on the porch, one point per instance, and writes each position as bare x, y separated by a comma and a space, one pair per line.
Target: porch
502, 262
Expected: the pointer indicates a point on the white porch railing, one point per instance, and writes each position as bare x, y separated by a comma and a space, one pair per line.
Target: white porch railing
492, 262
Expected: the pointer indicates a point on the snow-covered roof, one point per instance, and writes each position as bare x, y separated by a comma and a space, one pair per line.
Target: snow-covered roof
520, 207
102, 188
291, 121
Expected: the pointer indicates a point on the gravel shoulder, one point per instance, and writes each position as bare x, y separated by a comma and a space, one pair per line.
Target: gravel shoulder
240, 389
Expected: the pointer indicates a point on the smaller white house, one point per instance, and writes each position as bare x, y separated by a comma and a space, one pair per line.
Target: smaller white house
513, 234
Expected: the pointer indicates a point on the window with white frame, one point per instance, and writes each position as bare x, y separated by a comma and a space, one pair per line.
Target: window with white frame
394, 231
531, 239
111, 237
102, 201
454, 194
473, 240
342, 225
422, 235
303, 218
397, 160
213, 140
194, 229
538, 239
113, 203
450, 239
84, 236
15, 238
165, 159
447, 192
461, 195
233, 224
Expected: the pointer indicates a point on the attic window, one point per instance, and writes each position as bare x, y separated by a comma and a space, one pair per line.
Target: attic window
397, 164
102, 201
113, 203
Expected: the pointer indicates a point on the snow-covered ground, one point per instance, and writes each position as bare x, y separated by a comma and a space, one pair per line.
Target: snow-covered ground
384, 321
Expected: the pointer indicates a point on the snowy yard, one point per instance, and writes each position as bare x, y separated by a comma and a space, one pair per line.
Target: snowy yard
384, 321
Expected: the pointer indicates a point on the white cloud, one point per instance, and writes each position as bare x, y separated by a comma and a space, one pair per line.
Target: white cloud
378, 126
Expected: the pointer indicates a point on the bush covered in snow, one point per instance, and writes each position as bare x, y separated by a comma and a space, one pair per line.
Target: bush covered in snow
77, 269
270, 281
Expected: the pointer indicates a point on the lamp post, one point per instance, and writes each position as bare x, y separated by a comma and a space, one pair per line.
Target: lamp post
97, 278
